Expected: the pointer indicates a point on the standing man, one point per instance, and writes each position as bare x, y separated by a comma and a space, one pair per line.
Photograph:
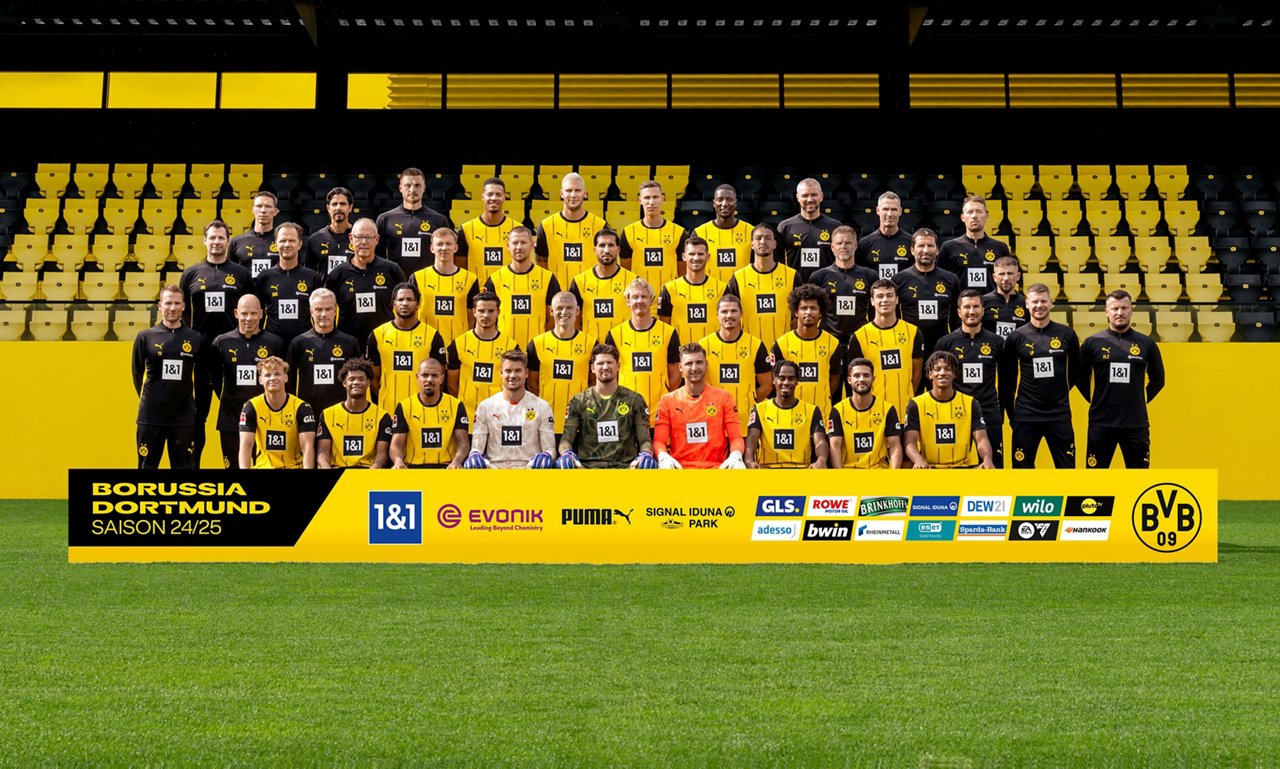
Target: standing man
762, 286
888, 249
316, 357
980, 354
560, 359
927, 294
972, 256
212, 290
784, 431
890, 342
330, 246
403, 231
943, 428
447, 289
1129, 373
848, 286
687, 301
728, 237
1005, 308
863, 430
806, 237
255, 249
512, 428
363, 284
429, 428
524, 289
697, 425
472, 359
277, 430
164, 359
732, 356
482, 241
815, 352
355, 432
397, 347
651, 246
606, 425
1048, 356
601, 290
235, 357
285, 289
562, 236
645, 344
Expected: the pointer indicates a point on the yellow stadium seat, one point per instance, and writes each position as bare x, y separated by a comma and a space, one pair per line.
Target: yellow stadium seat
245, 179
80, 215
127, 323
120, 214
1192, 252
1033, 252
541, 209
1142, 318
1204, 289
91, 179
52, 179
620, 213
1182, 216
1086, 323
1127, 281
152, 251
995, 214
30, 251
1064, 216
129, 179
197, 213
674, 181
41, 215
1094, 181
238, 214
465, 210
1061, 313
1173, 325
110, 251
207, 179
100, 286
141, 286
518, 180
1055, 181
90, 325
473, 177
13, 323
1017, 182
1171, 181
1103, 216
979, 180
168, 178
629, 178
1153, 253
71, 250
549, 178
60, 286
1133, 181
1048, 279
1164, 287
48, 325
159, 214
1215, 325
188, 249
1113, 252
1142, 216
1024, 216
596, 180
1080, 287
20, 286
1072, 252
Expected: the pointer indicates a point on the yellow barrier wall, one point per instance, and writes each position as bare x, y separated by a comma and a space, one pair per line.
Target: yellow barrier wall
71, 404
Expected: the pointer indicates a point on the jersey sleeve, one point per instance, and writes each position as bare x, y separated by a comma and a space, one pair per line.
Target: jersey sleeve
917, 344
248, 418
763, 366
624, 246
976, 420
835, 425
399, 424
855, 348
373, 354
531, 352
139, 363
732, 286
306, 418
753, 421
553, 288
1155, 371
438, 349
573, 289
816, 423
322, 429
571, 421
664, 303
460, 421
546, 429
488, 285
892, 425
662, 425
912, 421
673, 347
540, 242
479, 430
384, 428
472, 292
452, 362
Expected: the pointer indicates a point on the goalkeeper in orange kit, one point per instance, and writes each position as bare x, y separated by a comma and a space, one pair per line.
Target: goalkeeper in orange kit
697, 425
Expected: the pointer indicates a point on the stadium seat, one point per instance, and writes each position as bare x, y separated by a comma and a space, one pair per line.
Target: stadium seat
1049, 279
151, 251
1024, 216
197, 213
1256, 325
238, 214
48, 325
1182, 216
1173, 325
41, 215
1055, 181
1080, 287
1061, 313
129, 179
1017, 182
91, 179
1033, 252
127, 323
1142, 318
910, 220
1086, 323
1243, 288
995, 215
549, 178
1103, 216
518, 180
1266, 251
596, 181
674, 181
1153, 252
120, 214
207, 178
1260, 216
979, 180
90, 325
1126, 281
1163, 288
1113, 252
189, 249
620, 213
1232, 253
628, 178
1171, 182
901, 184
465, 210
52, 179
20, 286
167, 179
100, 286
473, 177
59, 286
1064, 216
80, 215
10, 213
1094, 181
541, 209
1133, 181
159, 214
1208, 183
14, 184
1072, 252
110, 251
865, 185
1221, 215
941, 186
1249, 181
1215, 325
1142, 216
141, 286
245, 179
944, 215
13, 323
1204, 289
29, 252
704, 185
1192, 253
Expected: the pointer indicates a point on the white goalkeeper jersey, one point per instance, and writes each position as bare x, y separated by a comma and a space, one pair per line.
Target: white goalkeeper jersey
509, 434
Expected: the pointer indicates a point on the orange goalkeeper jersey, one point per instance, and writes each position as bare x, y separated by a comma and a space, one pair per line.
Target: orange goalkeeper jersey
698, 432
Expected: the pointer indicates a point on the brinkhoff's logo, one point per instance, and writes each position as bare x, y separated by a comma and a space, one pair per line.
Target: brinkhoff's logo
593, 516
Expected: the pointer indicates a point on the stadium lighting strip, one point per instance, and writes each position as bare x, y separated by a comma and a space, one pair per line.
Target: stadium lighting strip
1074, 23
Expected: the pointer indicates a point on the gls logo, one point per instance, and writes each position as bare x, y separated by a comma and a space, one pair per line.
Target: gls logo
780, 506
395, 518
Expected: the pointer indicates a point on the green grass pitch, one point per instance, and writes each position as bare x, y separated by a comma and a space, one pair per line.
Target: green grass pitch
653, 666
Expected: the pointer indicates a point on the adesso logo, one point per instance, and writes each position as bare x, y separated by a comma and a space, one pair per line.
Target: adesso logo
776, 531
832, 506
780, 506
986, 506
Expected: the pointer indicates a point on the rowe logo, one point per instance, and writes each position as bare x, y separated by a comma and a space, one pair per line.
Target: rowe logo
832, 506
828, 531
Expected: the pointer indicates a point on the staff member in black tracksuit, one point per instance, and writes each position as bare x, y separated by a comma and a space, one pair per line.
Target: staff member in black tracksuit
1048, 361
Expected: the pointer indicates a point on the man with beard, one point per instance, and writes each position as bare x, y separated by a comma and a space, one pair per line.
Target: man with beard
482, 241
697, 425
806, 237
762, 286
397, 347
512, 428
894, 345
685, 303
863, 430
524, 289
601, 290
981, 357
943, 428
164, 359
926, 294
1005, 309
606, 425
429, 428
1047, 354
330, 246
972, 256
403, 231
732, 356
815, 352
651, 247
472, 359
848, 286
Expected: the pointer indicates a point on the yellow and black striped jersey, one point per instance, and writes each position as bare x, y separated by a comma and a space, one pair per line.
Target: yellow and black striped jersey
522, 301
355, 435
567, 245
429, 440
765, 314
817, 359
563, 367
445, 299
477, 362
689, 306
733, 366
645, 356
275, 431
729, 249
602, 301
654, 251
786, 435
865, 434
398, 352
892, 351
484, 246
946, 429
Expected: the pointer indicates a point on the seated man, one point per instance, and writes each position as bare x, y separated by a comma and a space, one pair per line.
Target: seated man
944, 428
784, 431
513, 428
429, 429
698, 424
277, 430
863, 430
606, 425
355, 432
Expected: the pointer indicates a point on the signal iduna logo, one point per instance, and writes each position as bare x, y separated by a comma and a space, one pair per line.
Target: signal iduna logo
832, 507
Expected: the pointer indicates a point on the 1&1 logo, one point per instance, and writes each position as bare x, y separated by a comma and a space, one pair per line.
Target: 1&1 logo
395, 518
1167, 517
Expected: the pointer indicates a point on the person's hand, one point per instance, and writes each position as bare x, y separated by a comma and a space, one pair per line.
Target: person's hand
568, 461
733, 462
644, 461
668, 462
541, 461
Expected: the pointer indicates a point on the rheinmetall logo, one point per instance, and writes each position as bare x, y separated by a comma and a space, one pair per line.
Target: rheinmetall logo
883, 506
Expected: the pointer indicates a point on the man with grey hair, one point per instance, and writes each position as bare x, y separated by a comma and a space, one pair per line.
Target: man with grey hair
806, 237
888, 249
316, 356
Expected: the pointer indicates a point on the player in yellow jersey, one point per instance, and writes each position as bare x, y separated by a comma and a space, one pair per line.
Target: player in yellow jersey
728, 237
863, 430
447, 290
525, 290
645, 343
472, 358
688, 301
277, 430
397, 347
944, 427
783, 431
560, 359
815, 351
651, 247
763, 286
732, 356
482, 241
430, 428
601, 289
890, 343
355, 432
563, 237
